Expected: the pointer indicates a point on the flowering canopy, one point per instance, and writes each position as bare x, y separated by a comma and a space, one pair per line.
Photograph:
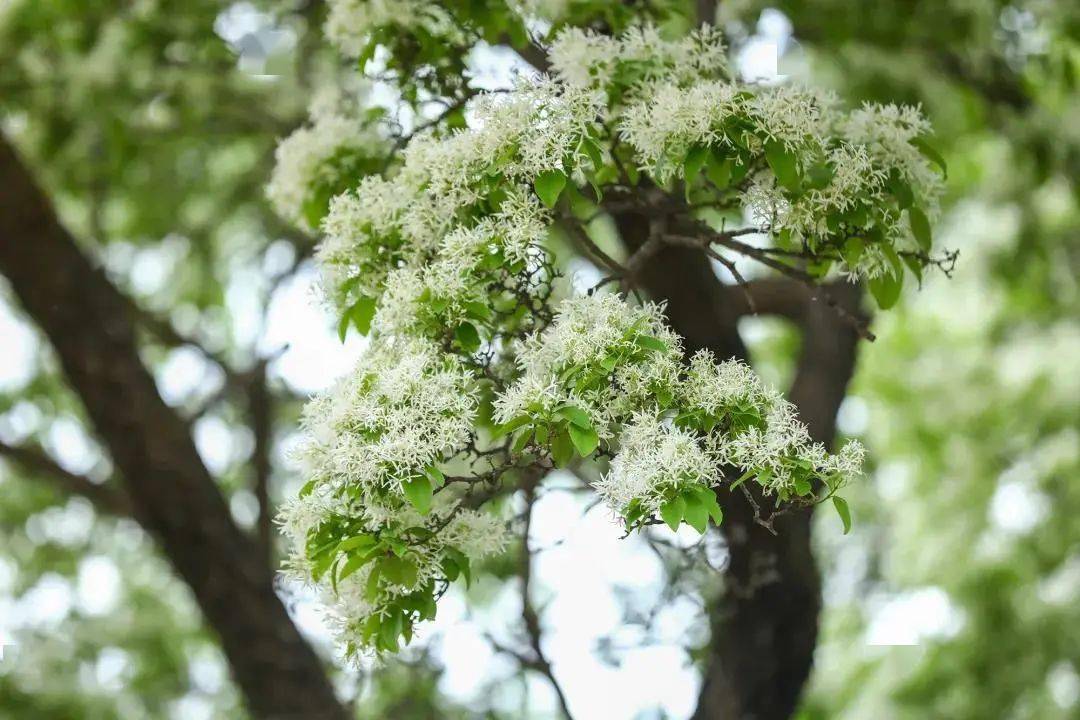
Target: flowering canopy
478, 379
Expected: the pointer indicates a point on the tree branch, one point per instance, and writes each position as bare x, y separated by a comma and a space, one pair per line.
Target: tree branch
104, 497
528, 612
172, 493
770, 614
765, 624
260, 415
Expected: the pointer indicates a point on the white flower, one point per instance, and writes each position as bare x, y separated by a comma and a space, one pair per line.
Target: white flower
350, 23
654, 459
585, 58
313, 159
405, 406
593, 357
777, 447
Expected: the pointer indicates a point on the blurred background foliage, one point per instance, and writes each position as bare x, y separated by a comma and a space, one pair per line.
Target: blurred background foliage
152, 126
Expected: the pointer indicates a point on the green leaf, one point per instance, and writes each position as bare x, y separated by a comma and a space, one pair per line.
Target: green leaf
511, 426
594, 152
451, 569
843, 511
367, 54
308, 488
931, 154
901, 191
562, 448
549, 185
400, 571
343, 326
478, 310
650, 343
695, 160
435, 475
672, 512
371, 590
355, 563
584, 439
886, 289
359, 315
460, 561
715, 512
913, 265
418, 492
718, 171
575, 415
819, 176
708, 499
783, 165
355, 542
467, 337
696, 514
741, 479
920, 228
388, 633
894, 259
429, 609
522, 440
802, 486
852, 251
633, 513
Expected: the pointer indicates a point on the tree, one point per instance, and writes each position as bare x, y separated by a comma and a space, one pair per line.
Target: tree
553, 169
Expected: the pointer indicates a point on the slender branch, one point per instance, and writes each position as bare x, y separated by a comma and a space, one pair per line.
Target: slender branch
260, 415
582, 239
709, 236
531, 53
528, 612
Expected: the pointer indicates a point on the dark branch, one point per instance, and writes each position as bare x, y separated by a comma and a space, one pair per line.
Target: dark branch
105, 497
172, 494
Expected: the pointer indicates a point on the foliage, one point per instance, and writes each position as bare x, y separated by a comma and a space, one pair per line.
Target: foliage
155, 145
445, 256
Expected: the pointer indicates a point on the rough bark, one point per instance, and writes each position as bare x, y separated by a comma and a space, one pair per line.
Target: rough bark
765, 628
765, 624
171, 492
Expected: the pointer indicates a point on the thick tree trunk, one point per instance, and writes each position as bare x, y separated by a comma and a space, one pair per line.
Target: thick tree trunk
765, 624
765, 628
172, 494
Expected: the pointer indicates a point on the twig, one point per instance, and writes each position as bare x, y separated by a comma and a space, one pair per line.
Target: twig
582, 238
528, 612
727, 239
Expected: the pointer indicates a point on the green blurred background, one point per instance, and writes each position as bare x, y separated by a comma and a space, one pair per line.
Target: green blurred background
152, 126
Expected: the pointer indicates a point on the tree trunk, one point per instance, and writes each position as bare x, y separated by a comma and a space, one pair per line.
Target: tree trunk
765, 624
172, 493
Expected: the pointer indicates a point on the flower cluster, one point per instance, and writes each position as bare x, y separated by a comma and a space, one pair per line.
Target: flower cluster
443, 256
601, 355
608, 368
319, 161
762, 435
858, 186
472, 188
656, 462
404, 408
350, 24
637, 58
378, 573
